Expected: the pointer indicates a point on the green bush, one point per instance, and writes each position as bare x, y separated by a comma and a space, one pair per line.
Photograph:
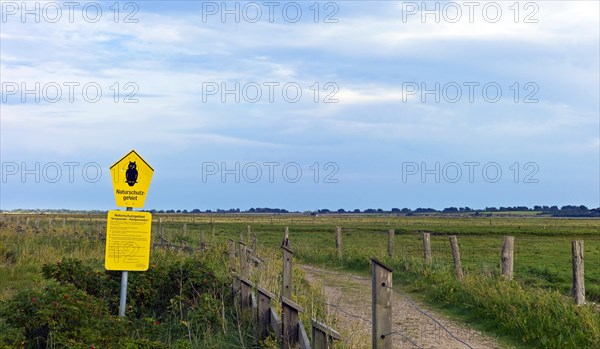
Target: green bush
149, 293
177, 302
58, 315
101, 284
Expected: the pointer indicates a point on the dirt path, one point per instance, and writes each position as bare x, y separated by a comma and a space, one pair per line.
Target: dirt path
349, 300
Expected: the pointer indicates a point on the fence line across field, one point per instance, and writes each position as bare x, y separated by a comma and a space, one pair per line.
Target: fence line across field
506, 254
83, 225
292, 330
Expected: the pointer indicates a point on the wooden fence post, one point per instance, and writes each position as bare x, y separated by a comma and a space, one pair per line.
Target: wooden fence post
231, 255
275, 323
286, 287
243, 260
160, 228
338, 241
286, 238
255, 245
237, 284
248, 232
578, 272
507, 257
289, 323
249, 255
303, 341
323, 335
391, 234
427, 248
246, 293
185, 230
263, 313
381, 290
456, 255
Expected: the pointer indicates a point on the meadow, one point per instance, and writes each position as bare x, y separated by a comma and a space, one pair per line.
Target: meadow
535, 310
542, 245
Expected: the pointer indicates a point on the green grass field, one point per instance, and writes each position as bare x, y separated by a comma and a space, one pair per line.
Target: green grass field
543, 273
542, 245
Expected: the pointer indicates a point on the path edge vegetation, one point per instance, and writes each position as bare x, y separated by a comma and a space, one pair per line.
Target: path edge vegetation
518, 315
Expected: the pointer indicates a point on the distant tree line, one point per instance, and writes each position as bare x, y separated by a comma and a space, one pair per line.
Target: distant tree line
231, 210
564, 211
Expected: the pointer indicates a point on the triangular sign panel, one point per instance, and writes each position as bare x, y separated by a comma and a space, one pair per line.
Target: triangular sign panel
131, 177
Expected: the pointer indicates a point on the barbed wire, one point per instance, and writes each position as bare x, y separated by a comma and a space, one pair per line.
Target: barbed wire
337, 307
403, 336
349, 275
416, 307
342, 286
412, 304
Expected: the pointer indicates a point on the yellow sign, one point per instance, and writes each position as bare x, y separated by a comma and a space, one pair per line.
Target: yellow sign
131, 179
128, 240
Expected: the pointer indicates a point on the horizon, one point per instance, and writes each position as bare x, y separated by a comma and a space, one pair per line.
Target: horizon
395, 210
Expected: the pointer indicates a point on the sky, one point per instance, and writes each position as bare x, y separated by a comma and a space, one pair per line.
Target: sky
301, 105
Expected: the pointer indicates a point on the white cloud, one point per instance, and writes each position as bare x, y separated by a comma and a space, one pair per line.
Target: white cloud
377, 94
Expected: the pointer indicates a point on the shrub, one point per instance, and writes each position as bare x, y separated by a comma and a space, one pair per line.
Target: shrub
84, 276
178, 302
60, 315
150, 292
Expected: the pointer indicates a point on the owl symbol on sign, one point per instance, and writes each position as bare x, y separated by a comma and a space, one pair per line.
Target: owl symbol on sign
132, 174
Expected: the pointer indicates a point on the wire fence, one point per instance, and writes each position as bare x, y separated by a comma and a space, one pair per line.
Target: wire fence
425, 313
425, 323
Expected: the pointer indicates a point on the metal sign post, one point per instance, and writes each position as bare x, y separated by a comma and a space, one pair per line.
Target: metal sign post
123, 299
124, 276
